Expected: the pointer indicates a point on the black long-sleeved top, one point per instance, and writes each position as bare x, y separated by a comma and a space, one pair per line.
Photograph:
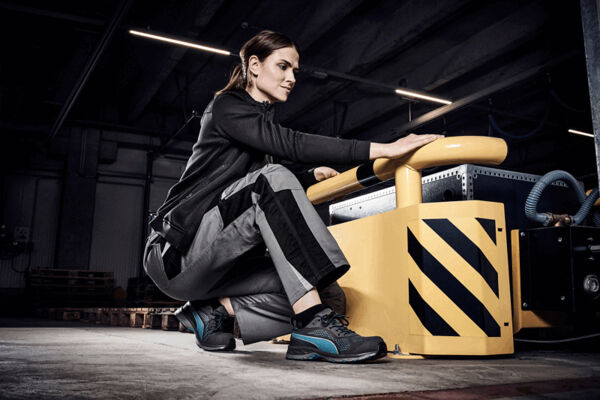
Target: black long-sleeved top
235, 135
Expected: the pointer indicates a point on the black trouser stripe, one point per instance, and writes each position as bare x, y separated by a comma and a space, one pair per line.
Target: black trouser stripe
291, 230
366, 175
466, 249
294, 236
451, 287
233, 206
427, 315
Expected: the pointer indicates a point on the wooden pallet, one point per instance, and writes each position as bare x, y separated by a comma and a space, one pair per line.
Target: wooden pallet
159, 303
137, 317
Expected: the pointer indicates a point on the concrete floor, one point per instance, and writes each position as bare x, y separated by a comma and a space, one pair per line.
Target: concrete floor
55, 359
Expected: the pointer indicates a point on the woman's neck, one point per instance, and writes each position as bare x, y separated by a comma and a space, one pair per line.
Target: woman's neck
258, 95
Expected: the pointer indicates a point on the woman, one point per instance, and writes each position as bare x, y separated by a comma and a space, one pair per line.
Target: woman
209, 237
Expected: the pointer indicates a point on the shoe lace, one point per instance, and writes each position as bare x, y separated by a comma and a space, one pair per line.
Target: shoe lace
337, 322
215, 323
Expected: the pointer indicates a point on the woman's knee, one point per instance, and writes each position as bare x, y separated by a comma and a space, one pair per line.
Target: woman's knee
280, 178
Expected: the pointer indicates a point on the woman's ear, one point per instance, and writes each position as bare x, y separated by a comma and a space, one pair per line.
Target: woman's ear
254, 66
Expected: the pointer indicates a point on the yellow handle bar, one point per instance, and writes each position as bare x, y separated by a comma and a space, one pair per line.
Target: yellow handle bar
407, 169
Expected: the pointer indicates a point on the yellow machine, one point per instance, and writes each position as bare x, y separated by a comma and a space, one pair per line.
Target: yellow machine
529, 318
432, 278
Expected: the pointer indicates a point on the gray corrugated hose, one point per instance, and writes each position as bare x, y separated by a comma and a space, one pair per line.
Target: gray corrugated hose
545, 218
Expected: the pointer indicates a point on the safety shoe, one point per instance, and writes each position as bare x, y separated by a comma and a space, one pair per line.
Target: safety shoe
212, 326
328, 338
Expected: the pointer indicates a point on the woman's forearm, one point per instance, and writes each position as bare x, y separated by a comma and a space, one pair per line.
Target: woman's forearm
378, 150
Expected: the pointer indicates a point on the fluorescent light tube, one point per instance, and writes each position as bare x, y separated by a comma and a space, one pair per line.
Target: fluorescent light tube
180, 42
196, 46
408, 93
580, 133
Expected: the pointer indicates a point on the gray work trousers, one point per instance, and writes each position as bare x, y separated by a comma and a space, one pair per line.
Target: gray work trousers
268, 207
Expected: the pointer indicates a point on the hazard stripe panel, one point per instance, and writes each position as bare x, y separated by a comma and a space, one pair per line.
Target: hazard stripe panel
436, 299
366, 176
489, 226
447, 283
427, 315
466, 249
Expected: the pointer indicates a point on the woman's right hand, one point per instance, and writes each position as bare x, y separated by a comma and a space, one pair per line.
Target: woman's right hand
401, 147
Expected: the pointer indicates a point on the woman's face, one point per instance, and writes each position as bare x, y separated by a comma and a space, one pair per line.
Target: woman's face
273, 78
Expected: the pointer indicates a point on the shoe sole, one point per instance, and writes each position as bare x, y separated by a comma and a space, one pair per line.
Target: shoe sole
228, 347
190, 326
311, 354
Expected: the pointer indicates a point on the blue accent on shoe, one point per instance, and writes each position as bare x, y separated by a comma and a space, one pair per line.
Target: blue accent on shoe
322, 344
199, 324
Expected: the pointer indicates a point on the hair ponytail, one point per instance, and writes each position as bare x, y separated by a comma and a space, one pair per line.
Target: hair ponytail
237, 81
261, 45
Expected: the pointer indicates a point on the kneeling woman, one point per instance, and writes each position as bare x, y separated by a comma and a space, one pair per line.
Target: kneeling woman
209, 237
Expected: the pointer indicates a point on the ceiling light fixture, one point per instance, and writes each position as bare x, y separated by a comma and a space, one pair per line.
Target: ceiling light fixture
317, 72
580, 133
408, 93
180, 42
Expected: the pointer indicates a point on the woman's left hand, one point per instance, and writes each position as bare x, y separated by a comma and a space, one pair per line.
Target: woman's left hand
322, 173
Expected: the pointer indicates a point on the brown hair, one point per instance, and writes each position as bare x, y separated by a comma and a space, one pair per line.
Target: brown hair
261, 45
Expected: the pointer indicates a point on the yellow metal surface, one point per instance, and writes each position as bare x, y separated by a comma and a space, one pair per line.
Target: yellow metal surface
597, 202
404, 356
377, 285
335, 187
445, 151
340, 185
523, 319
391, 294
407, 177
285, 339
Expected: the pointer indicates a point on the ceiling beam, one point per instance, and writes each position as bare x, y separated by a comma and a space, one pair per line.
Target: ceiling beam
355, 54
442, 67
314, 19
483, 93
385, 127
218, 33
155, 73
52, 14
112, 26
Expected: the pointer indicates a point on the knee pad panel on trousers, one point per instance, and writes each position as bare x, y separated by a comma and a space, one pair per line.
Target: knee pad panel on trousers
280, 178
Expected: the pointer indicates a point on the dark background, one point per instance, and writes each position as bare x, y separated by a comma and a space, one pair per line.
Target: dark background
78, 197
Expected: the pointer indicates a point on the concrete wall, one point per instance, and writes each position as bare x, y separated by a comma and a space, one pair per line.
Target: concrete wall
32, 198
118, 214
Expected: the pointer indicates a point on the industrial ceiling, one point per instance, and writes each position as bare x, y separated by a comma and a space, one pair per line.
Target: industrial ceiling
513, 69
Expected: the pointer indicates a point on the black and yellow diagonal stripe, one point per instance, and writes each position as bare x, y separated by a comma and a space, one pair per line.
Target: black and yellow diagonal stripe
453, 283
